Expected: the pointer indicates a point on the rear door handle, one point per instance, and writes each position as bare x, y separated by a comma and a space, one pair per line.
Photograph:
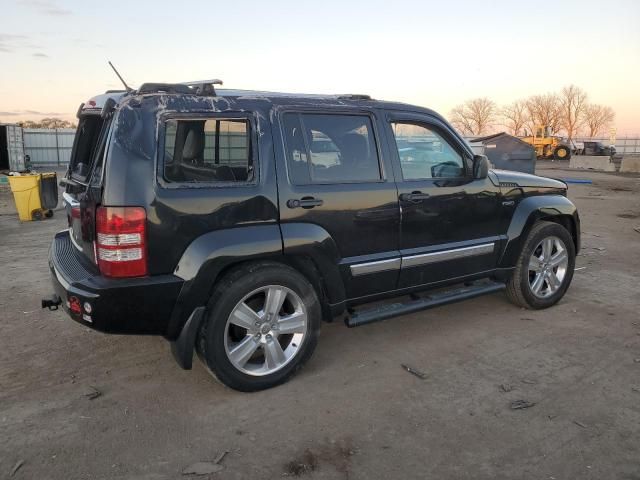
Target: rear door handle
413, 196
305, 202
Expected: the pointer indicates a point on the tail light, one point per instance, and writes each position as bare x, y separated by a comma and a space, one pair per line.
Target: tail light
121, 249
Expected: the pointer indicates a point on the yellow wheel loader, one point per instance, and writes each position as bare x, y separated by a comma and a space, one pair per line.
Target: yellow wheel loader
547, 145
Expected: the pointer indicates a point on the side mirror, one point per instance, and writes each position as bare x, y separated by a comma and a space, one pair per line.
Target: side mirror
480, 167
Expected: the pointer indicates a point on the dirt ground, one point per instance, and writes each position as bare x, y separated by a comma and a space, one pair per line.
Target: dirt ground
353, 412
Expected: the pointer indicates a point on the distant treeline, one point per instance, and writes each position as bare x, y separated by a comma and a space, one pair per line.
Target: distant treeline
47, 123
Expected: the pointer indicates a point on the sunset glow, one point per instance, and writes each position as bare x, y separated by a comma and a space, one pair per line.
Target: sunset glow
53, 54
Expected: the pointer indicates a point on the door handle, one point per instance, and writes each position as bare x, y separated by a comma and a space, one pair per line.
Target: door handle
413, 196
305, 202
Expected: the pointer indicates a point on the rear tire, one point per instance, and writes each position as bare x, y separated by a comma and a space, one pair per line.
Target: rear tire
545, 267
261, 326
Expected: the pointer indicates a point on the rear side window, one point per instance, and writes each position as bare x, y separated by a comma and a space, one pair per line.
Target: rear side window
330, 148
208, 151
89, 137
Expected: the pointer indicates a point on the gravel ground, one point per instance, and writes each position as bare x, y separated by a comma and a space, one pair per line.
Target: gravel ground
353, 412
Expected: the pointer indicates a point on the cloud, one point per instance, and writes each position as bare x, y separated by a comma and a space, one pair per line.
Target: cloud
18, 113
9, 43
48, 7
41, 55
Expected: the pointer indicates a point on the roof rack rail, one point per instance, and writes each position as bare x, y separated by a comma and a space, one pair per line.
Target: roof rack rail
164, 88
203, 87
354, 96
200, 87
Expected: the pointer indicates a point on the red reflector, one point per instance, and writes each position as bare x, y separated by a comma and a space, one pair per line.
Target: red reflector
121, 249
74, 305
91, 103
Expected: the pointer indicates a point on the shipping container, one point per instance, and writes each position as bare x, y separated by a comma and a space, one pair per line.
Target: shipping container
11, 148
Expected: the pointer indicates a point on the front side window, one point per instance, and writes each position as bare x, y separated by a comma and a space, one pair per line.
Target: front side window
330, 148
211, 150
425, 154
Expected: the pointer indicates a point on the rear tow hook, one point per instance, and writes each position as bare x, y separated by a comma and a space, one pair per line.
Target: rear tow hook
52, 303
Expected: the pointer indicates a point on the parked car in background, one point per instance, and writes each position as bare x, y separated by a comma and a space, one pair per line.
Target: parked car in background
595, 148
234, 222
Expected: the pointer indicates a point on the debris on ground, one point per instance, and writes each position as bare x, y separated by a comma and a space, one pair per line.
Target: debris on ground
505, 387
528, 319
413, 371
528, 382
95, 393
202, 468
303, 465
220, 457
580, 424
521, 404
16, 467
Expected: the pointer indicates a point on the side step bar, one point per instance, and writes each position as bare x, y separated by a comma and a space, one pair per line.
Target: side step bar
431, 300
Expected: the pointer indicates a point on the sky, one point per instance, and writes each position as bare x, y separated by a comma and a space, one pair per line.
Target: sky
53, 53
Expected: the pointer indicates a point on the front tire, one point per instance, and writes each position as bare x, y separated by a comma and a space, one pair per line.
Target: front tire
545, 267
262, 325
562, 153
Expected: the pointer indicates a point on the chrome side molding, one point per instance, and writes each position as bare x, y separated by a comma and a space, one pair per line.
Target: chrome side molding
421, 259
375, 267
454, 254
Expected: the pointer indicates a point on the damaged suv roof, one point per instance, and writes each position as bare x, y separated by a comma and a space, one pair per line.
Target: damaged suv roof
97, 102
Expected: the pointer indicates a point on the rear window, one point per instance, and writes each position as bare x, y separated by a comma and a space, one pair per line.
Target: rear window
86, 145
208, 151
330, 148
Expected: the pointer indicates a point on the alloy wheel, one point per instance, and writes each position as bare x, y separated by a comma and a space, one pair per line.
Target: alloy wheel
265, 330
548, 267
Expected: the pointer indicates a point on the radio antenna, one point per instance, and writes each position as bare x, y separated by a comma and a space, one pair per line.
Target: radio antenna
127, 87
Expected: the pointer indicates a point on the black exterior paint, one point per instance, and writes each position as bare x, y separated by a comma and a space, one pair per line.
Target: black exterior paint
197, 232
456, 213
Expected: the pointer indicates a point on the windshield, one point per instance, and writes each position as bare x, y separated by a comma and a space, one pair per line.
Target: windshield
86, 144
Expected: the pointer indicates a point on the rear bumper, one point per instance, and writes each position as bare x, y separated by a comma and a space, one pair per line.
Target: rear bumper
125, 306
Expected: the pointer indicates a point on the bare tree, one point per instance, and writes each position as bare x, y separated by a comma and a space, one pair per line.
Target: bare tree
597, 118
29, 124
515, 116
54, 123
543, 111
474, 117
573, 101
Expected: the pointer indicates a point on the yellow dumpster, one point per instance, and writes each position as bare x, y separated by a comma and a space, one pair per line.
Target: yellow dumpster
27, 194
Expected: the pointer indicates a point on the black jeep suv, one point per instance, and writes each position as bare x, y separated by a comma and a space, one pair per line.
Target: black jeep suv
234, 222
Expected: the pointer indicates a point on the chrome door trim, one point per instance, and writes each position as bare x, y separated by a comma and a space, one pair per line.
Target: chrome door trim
453, 254
375, 267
